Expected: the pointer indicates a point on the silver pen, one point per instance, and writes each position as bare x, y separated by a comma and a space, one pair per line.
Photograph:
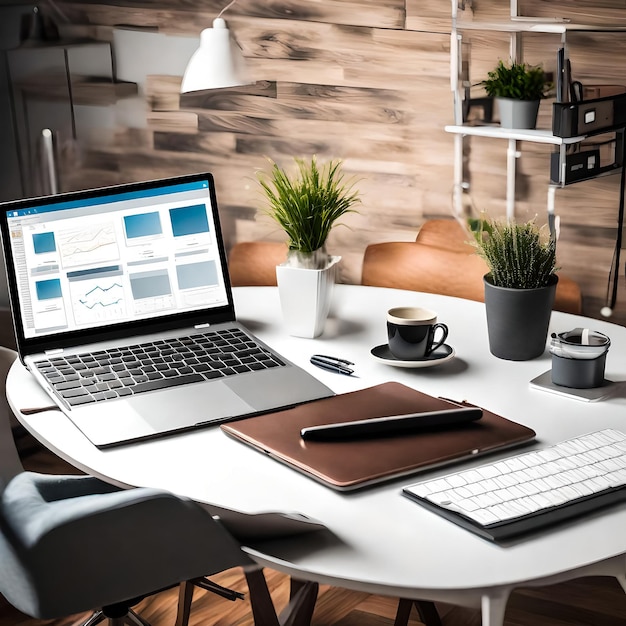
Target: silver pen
334, 364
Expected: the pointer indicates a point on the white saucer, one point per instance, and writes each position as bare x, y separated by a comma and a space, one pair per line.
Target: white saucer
442, 354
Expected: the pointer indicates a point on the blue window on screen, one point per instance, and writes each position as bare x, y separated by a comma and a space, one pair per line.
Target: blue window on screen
48, 289
189, 220
44, 243
142, 225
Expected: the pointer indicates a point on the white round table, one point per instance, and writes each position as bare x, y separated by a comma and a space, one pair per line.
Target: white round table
379, 541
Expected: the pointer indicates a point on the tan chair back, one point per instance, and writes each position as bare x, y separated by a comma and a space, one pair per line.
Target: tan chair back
441, 260
447, 234
253, 263
417, 267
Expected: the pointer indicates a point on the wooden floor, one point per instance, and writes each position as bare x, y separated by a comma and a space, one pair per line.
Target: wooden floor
585, 602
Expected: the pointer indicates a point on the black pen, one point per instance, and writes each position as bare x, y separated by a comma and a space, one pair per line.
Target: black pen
391, 424
334, 364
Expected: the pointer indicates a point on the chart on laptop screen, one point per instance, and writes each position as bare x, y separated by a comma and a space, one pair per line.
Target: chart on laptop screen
121, 256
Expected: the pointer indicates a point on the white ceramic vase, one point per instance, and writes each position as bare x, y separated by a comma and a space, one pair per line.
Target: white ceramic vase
305, 297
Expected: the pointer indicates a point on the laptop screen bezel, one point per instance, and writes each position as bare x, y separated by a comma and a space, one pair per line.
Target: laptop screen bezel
122, 330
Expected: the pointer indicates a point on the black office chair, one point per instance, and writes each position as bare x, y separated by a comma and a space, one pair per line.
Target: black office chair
72, 543
23, 440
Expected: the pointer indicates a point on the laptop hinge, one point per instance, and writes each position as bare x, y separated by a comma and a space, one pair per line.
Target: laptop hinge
205, 325
55, 351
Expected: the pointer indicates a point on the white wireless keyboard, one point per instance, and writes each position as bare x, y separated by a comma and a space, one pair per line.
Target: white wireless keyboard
523, 493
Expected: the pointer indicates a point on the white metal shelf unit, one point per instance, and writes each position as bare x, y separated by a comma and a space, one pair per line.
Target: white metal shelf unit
516, 25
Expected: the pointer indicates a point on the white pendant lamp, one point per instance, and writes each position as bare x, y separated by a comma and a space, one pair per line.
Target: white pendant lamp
217, 63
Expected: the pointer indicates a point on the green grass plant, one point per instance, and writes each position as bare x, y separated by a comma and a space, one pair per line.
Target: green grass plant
519, 256
518, 81
308, 203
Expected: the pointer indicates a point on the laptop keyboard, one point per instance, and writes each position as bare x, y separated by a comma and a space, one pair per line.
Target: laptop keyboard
109, 374
529, 491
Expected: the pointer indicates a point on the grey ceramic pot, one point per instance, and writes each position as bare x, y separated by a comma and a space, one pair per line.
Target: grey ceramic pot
518, 320
518, 113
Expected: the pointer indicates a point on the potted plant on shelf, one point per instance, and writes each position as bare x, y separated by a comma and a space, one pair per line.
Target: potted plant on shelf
307, 205
519, 287
518, 89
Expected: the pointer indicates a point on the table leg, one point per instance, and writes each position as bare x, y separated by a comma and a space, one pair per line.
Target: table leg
493, 608
260, 600
427, 612
302, 598
404, 612
295, 586
298, 611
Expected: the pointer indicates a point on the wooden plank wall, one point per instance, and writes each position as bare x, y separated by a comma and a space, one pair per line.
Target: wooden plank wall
366, 81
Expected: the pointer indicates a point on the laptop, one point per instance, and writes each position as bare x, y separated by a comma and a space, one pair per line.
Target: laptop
124, 314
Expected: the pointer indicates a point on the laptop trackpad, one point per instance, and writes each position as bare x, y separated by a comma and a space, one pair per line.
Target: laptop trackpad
189, 405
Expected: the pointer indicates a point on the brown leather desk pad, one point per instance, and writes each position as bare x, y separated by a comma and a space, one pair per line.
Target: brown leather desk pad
346, 465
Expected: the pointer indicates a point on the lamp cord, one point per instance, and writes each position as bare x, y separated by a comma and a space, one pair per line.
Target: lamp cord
613, 281
230, 4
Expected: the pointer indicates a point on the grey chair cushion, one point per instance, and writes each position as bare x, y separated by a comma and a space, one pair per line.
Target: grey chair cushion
10, 463
74, 543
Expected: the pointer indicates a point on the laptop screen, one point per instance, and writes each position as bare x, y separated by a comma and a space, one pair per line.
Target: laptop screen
116, 255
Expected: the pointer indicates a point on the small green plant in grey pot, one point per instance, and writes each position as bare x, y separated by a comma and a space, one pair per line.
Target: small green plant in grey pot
520, 286
518, 89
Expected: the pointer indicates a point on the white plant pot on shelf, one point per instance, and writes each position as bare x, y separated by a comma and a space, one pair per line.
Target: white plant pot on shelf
305, 297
